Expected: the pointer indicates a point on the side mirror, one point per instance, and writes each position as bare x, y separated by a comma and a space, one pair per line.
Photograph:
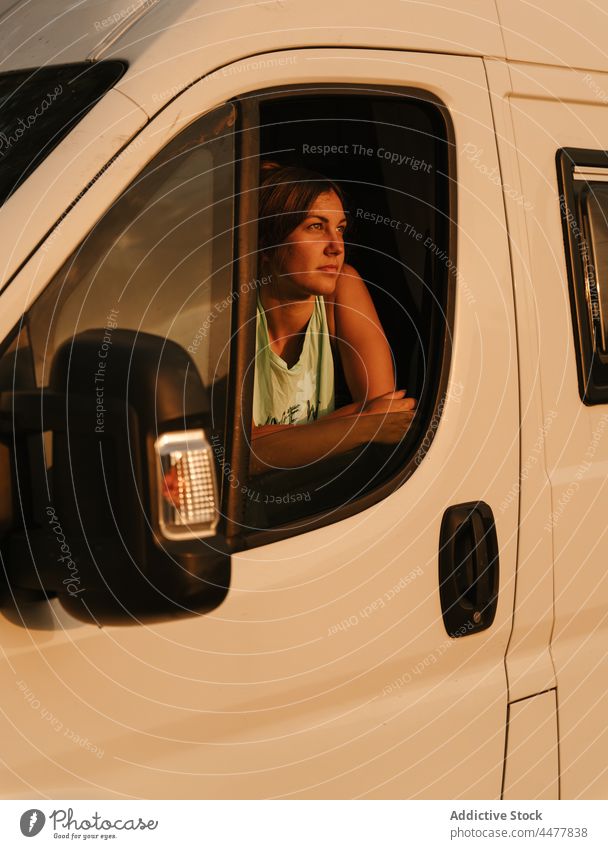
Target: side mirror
101, 526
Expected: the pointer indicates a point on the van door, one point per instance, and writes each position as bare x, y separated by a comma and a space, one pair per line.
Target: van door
360, 649
560, 126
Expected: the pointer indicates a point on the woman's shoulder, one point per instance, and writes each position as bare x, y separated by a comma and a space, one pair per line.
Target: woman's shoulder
344, 284
348, 290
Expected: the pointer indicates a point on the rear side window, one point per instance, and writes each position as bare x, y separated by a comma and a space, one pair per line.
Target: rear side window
38, 107
583, 176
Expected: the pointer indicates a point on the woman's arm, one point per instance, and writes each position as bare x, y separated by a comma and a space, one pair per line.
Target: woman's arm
264, 430
364, 350
289, 446
368, 367
392, 402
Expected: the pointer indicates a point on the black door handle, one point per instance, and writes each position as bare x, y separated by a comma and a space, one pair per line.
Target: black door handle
468, 568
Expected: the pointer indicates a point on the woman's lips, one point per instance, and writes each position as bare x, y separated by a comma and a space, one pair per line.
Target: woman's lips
329, 269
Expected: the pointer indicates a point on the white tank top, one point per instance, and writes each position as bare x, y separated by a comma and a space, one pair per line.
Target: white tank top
299, 394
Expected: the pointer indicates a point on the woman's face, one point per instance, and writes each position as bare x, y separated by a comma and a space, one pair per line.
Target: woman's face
311, 259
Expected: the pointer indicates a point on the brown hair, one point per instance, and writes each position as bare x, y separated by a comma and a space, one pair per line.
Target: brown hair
286, 194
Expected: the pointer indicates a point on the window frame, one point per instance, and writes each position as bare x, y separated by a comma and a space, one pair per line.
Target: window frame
421, 434
157, 161
101, 77
592, 372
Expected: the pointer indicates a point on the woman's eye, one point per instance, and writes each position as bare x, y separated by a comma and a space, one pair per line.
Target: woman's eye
315, 226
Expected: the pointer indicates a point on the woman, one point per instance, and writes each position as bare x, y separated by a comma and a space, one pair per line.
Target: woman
312, 308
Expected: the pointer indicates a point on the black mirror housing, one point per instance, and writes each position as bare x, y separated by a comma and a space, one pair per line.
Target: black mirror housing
97, 541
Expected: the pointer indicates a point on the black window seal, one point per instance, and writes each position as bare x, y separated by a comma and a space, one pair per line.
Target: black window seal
592, 374
241, 390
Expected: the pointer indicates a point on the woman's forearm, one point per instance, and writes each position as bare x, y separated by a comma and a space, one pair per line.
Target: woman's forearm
347, 410
288, 446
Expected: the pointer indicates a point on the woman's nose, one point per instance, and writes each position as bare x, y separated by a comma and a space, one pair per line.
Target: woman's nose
335, 244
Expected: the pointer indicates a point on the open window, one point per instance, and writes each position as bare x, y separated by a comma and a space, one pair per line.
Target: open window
389, 151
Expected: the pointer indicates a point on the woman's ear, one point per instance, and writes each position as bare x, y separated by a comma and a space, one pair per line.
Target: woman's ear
267, 262
264, 266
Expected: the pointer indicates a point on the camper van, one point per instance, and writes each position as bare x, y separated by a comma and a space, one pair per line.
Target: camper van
415, 616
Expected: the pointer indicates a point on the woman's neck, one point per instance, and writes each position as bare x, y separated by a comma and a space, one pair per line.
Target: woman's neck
287, 319
285, 314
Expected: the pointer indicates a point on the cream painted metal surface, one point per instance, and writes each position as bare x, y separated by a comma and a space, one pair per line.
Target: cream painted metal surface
52, 32
529, 664
531, 770
552, 109
554, 32
177, 43
267, 696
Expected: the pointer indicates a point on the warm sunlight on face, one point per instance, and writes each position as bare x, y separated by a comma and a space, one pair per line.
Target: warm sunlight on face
313, 255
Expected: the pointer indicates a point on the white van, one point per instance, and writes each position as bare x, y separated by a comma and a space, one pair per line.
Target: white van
421, 620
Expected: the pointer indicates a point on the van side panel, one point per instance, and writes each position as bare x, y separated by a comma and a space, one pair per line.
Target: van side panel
49, 32
531, 768
529, 664
553, 109
178, 43
554, 32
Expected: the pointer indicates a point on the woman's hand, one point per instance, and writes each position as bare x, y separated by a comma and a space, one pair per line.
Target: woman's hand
291, 446
385, 428
390, 402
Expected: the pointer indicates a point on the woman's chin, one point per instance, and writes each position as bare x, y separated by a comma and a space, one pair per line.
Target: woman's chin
306, 285
321, 284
